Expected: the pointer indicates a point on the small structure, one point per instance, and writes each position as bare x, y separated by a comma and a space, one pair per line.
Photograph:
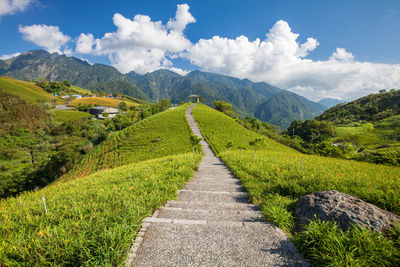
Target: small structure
77, 96
99, 111
194, 98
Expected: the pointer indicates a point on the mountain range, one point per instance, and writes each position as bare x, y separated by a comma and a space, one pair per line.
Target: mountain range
258, 99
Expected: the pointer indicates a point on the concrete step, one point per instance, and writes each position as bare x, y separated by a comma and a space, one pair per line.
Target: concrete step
212, 206
169, 244
210, 215
214, 187
213, 173
215, 180
209, 196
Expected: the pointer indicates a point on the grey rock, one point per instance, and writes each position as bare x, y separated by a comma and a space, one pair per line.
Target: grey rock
344, 209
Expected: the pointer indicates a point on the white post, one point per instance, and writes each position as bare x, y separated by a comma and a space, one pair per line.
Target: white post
44, 204
20, 201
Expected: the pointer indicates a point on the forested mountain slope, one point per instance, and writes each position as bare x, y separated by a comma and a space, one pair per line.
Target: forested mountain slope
248, 98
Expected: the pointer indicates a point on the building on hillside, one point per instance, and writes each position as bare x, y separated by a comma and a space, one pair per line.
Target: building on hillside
99, 112
77, 96
194, 98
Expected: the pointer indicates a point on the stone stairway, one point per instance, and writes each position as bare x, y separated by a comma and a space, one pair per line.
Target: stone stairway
211, 224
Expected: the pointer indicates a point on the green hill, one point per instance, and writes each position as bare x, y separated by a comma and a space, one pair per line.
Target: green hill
36, 64
276, 177
219, 130
16, 113
371, 108
371, 124
163, 134
28, 91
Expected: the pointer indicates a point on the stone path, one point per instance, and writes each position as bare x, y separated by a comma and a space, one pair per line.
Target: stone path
212, 224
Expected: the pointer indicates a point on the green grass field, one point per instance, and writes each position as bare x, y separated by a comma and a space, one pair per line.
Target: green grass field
163, 134
209, 119
27, 90
101, 101
81, 90
277, 176
90, 221
70, 115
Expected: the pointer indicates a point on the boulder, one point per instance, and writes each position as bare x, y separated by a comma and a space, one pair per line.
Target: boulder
346, 210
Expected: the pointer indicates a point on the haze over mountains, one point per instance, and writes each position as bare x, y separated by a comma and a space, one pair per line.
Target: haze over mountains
261, 100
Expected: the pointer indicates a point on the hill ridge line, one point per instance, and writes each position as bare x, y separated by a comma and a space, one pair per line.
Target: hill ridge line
205, 236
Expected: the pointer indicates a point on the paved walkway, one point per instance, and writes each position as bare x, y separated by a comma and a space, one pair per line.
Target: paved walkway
212, 224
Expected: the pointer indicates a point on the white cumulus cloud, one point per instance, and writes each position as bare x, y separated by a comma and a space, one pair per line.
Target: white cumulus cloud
12, 6
140, 44
8, 56
281, 60
48, 37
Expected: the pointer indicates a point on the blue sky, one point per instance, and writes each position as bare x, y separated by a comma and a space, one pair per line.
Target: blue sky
351, 40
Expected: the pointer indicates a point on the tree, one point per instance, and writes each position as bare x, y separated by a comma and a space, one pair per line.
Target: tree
67, 84
257, 143
226, 108
164, 104
123, 106
311, 130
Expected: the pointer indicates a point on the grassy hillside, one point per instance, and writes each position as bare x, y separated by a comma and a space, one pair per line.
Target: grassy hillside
80, 90
278, 176
100, 101
91, 221
17, 113
70, 115
371, 124
165, 133
209, 121
27, 91
373, 107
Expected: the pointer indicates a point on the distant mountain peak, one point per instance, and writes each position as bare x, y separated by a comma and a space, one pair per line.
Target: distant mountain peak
330, 102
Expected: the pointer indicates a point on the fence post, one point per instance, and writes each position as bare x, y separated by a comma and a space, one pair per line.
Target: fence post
44, 204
